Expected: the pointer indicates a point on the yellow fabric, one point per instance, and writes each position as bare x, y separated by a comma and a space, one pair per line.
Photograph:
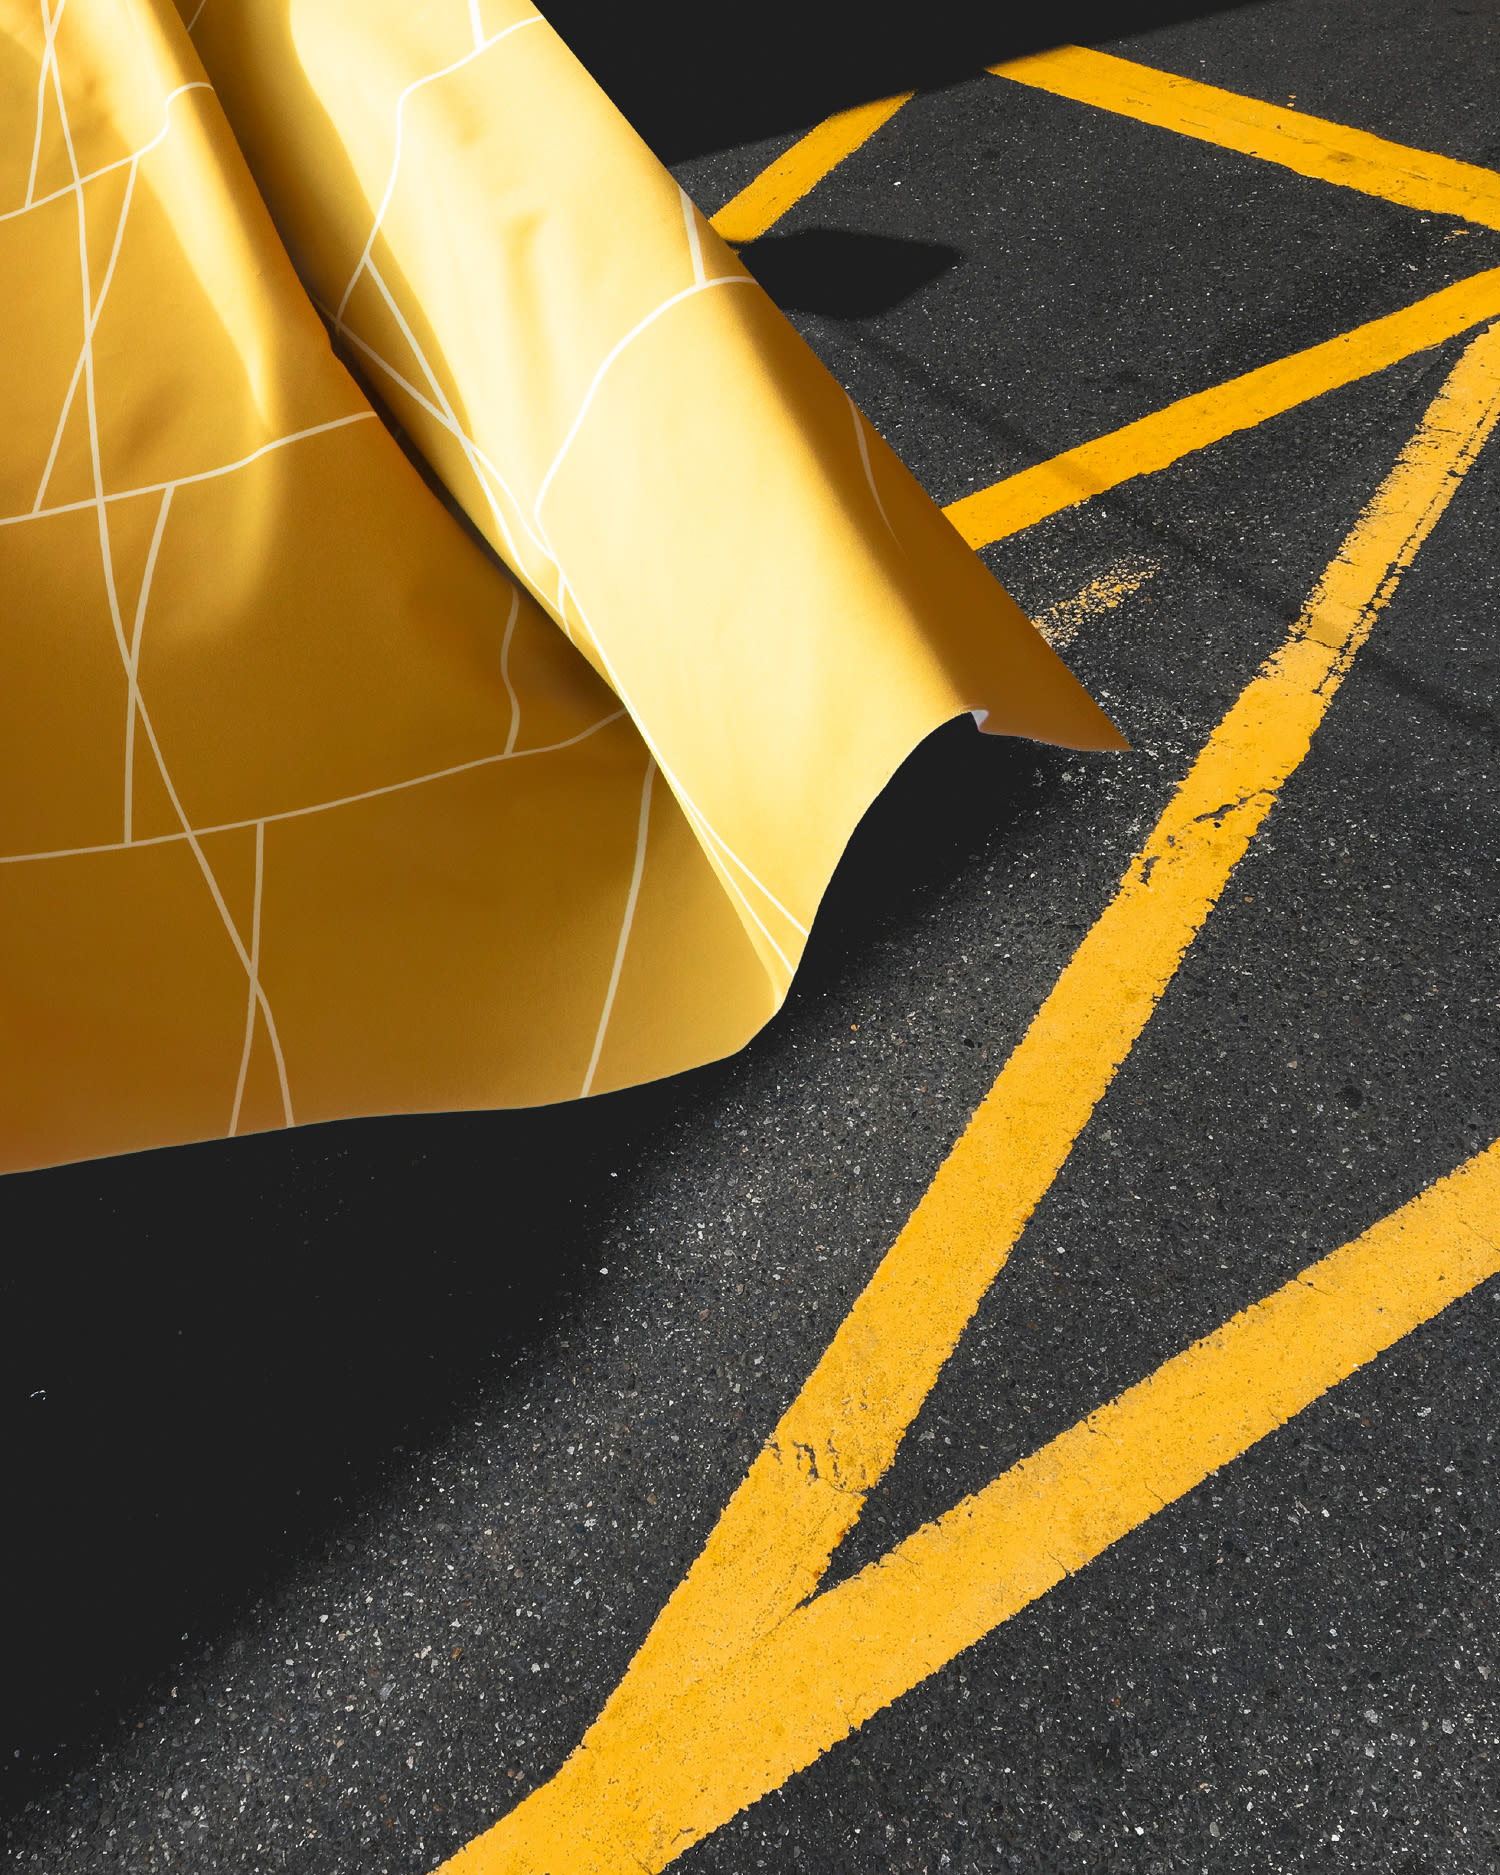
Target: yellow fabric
307, 808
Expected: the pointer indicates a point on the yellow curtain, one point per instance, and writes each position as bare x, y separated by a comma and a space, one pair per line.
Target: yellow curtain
486, 744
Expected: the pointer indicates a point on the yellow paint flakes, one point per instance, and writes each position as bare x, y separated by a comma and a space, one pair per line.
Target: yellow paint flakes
1060, 624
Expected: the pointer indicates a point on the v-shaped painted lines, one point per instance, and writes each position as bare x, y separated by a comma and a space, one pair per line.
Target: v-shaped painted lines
743, 1680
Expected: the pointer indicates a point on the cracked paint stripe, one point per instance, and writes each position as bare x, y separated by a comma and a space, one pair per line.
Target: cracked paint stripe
656, 1772
762, 203
1312, 146
838, 1660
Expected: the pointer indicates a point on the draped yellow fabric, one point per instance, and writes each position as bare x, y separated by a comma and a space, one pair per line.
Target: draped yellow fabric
488, 744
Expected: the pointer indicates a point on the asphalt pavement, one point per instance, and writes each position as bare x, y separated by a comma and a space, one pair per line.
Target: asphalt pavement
348, 1469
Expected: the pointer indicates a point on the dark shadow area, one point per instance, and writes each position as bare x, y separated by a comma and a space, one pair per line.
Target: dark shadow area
213, 1355
693, 79
849, 276
953, 801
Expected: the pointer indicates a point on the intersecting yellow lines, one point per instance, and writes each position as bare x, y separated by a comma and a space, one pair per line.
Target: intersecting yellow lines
745, 1680
717, 1743
1311, 146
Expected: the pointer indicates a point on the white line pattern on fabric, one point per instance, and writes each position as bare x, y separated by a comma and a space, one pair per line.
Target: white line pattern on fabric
265, 1007
315, 807
190, 834
133, 661
470, 444
676, 299
481, 46
485, 472
690, 806
482, 468
50, 24
686, 800
639, 867
108, 169
695, 245
716, 861
448, 416
90, 315
729, 853
461, 436
185, 481
510, 689
564, 586
85, 350
91, 311
251, 1003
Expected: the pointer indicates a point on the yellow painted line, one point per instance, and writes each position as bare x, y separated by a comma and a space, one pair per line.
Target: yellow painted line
1312, 146
670, 1777
634, 1794
1155, 442
764, 201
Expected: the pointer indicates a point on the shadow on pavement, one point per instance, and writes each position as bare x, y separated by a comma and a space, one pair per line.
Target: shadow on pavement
847, 275
695, 78
212, 1353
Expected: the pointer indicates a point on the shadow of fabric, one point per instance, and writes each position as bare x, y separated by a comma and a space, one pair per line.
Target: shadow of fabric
843, 274
694, 79
215, 1354
218, 1357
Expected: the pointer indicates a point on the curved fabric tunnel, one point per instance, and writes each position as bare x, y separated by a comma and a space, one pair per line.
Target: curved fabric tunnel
340, 778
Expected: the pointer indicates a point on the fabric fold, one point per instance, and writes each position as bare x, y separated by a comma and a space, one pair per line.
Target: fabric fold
312, 803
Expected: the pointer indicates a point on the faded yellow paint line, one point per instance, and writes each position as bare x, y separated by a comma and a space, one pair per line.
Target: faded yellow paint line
764, 201
1156, 442
672, 1776
1061, 623
1312, 146
655, 1765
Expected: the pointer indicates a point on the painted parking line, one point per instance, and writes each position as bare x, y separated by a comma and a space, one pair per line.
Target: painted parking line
764, 201
670, 1776
1156, 442
661, 1766
1312, 146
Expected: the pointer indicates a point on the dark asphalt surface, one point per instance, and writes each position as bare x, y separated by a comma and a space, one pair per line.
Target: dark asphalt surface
347, 1470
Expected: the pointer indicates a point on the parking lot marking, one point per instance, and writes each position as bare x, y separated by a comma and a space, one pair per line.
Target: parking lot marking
669, 1777
1155, 442
765, 200
634, 1793
805, 1490
1312, 146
